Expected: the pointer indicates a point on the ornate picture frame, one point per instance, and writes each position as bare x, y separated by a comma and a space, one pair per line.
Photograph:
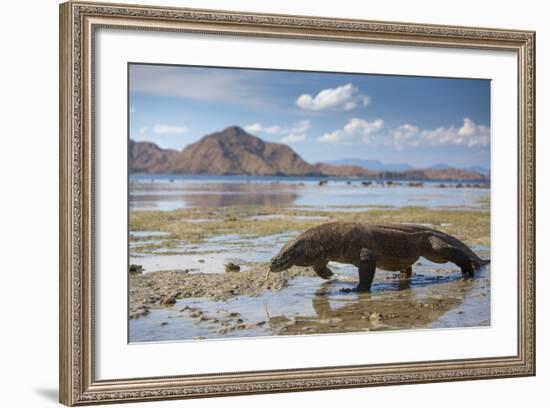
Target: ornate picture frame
78, 24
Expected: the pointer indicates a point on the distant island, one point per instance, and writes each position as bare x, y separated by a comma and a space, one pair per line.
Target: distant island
233, 151
372, 164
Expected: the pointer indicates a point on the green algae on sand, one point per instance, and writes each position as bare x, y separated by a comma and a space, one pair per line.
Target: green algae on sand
470, 226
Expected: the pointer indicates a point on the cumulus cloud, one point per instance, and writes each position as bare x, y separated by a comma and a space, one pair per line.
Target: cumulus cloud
405, 135
355, 131
162, 129
345, 97
470, 134
295, 133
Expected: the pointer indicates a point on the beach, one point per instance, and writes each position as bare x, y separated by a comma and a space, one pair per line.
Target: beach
200, 249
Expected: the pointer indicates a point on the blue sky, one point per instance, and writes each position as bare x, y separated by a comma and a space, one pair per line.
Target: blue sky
322, 116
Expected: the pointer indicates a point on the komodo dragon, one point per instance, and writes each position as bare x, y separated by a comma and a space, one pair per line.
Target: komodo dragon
392, 247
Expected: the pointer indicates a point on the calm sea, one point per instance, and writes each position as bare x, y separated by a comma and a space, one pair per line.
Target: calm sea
170, 192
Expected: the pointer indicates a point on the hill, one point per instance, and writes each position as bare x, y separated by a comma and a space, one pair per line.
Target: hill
233, 151
229, 152
371, 164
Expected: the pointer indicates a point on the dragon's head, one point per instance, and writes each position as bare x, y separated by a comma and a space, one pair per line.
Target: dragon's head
291, 254
302, 251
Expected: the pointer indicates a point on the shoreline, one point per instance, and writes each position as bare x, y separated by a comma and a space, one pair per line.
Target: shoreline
485, 180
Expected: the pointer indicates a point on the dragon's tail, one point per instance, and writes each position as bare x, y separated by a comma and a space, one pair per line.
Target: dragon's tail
483, 262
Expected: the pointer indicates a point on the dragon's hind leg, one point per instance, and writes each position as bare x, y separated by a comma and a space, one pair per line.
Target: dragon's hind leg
442, 251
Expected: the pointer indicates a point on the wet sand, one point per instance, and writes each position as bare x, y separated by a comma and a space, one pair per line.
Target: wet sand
182, 306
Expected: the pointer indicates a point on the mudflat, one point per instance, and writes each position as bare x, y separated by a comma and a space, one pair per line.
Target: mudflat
185, 290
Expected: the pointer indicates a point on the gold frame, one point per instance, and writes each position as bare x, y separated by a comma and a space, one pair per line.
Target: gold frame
78, 22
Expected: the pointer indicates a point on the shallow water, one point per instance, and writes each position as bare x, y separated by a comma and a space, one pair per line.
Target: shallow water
172, 192
212, 255
435, 297
148, 234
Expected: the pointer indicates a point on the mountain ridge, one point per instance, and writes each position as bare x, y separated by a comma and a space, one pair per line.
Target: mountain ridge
373, 164
233, 151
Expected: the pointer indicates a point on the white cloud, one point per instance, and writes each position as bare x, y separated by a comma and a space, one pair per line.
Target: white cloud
301, 126
162, 129
407, 135
257, 127
344, 97
355, 131
470, 134
295, 133
292, 138
404, 135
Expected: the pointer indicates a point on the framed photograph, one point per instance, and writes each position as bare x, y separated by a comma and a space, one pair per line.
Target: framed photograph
255, 203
